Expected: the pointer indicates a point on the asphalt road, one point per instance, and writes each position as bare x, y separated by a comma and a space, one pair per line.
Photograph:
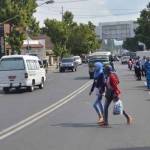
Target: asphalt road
69, 120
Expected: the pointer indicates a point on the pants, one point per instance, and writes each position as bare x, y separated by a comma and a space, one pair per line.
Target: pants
106, 106
98, 106
148, 83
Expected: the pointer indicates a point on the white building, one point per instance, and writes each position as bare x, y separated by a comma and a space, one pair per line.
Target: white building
116, 30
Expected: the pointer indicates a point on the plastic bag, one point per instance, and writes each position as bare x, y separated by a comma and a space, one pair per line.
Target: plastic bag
118, 108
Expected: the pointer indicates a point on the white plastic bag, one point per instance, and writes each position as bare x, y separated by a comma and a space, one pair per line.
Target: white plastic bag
118, 108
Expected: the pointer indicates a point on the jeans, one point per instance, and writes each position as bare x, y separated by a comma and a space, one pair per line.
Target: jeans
106, 106
148, 83
98, 106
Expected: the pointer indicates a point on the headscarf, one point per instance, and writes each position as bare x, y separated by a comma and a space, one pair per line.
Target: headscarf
108, 69
98, 69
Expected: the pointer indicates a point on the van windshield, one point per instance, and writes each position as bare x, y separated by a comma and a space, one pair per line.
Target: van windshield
7, 64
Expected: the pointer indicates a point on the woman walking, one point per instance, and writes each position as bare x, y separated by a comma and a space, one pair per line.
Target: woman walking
112, 94
99, 88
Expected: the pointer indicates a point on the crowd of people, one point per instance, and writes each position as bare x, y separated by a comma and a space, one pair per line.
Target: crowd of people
141, 67
106, 82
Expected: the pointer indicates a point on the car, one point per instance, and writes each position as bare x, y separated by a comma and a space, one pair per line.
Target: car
17, 71
78, 60
125, 59
68, 64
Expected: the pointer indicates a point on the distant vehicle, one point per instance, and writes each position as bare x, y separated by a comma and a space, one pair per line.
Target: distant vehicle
125, 59
78, 60
17, 71
68, 64
141, 54
102, 57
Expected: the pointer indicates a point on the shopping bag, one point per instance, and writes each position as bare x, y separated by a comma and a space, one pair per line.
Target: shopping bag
118, 108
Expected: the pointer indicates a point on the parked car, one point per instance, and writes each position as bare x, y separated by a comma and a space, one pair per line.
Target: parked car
17, 71
78, 60
68, 64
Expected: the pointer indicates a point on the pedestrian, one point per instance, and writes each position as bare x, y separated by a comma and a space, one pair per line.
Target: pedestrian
143, 61
138, 70
112, 93
147, 69
99, 88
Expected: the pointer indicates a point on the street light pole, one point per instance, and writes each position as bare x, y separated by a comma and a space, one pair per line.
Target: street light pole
47, 2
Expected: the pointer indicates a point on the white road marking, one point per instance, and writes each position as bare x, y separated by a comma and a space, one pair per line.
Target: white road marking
30, 120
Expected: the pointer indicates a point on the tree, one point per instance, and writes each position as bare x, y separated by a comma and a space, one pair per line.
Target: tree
68, 17
19, 14
69, 37
131, 44
143, 30
56, 30
82, 40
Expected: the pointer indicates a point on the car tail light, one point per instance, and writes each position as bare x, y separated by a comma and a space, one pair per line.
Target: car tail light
26, 75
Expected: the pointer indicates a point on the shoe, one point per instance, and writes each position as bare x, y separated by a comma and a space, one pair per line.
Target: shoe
105, 125
129, 120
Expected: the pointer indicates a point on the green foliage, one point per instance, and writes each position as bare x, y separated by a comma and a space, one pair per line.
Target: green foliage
19, 14
68, 17
71, 38
57, 31
16, 40
143, 30
131, 44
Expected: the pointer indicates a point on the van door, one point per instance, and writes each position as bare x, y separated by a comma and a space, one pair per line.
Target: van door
12, 71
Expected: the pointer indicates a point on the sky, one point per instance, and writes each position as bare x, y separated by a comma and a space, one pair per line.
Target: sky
95, 11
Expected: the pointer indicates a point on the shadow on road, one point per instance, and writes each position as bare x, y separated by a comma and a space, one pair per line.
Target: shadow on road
132, 148
80, 125
76, 125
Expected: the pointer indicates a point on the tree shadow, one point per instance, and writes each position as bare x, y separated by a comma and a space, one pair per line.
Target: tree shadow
132, 148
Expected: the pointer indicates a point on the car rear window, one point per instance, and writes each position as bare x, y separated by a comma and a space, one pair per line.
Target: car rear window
7, 64
67, 60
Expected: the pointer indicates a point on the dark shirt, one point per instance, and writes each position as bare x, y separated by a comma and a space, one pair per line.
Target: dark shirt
99, 83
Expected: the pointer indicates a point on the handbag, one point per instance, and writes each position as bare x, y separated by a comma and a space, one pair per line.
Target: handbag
118, 108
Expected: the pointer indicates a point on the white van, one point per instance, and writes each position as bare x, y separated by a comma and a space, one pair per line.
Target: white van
78, 60
18, 71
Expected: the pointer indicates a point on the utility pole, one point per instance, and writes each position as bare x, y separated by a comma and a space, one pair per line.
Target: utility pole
62, 12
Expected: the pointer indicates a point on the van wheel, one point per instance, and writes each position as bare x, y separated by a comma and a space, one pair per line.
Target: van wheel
31, 88
41, 86
6, 89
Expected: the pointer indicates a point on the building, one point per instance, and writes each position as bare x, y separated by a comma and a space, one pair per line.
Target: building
116, 30
48, 46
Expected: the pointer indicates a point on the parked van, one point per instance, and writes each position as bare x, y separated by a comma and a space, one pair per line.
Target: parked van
17, 71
